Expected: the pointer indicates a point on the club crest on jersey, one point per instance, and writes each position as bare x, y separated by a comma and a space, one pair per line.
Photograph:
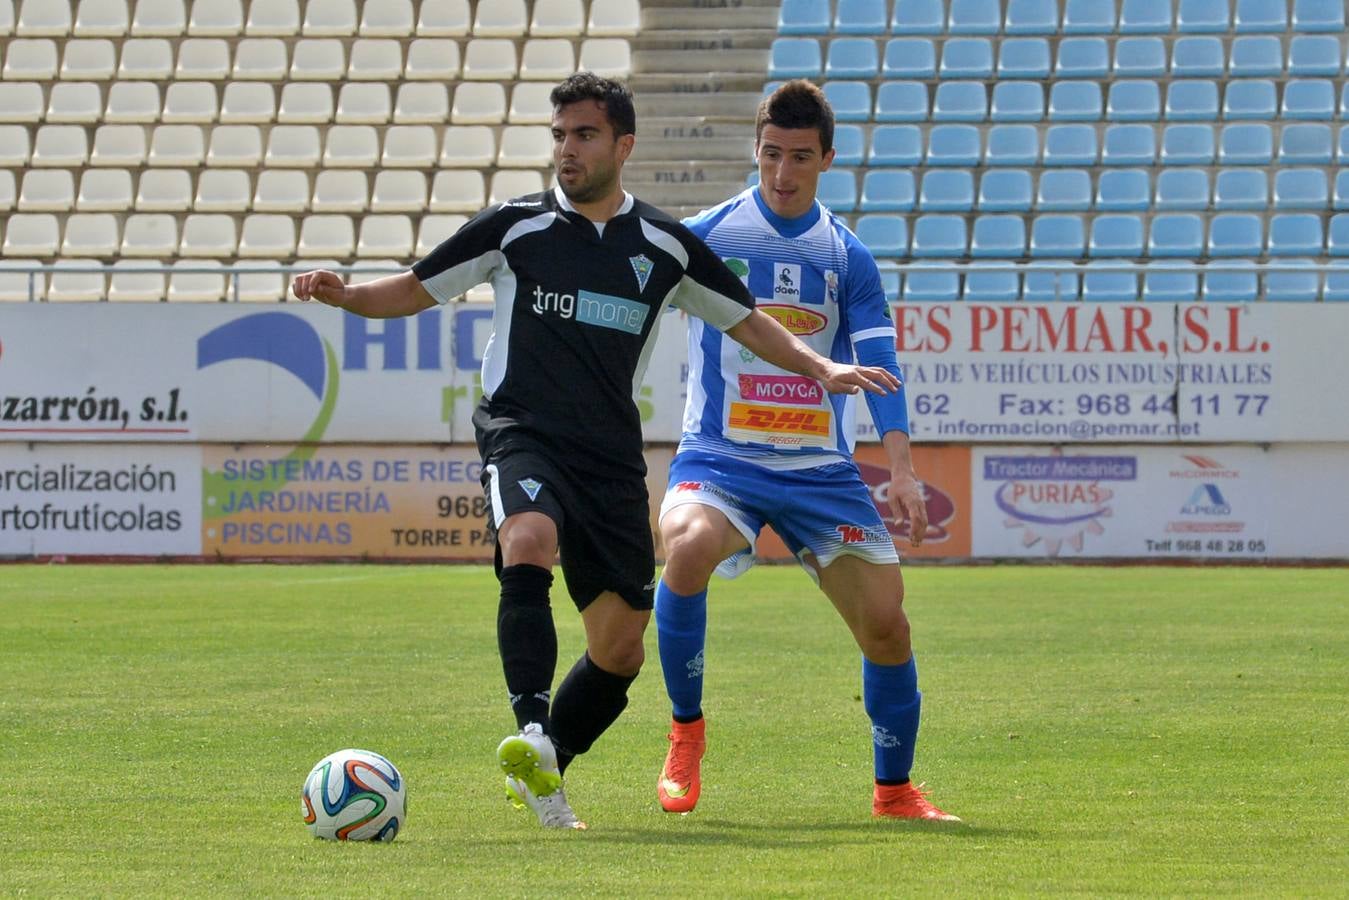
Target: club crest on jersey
530, 487
831, 285
641, 267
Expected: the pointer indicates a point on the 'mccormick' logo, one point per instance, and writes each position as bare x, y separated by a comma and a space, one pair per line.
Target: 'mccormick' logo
796, 320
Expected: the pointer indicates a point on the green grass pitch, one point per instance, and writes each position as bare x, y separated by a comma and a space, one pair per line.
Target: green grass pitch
1158, 731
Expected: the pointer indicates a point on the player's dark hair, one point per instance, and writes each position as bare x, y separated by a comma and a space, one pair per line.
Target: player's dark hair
797, 104
613, 96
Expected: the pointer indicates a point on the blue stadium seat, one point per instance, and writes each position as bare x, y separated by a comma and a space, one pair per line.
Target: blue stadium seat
1308, 99
1340, 198
1260, 15
852, 57
966, 58
1344, 103
1075, 101
1108, 287
1176, 235
1144, 17
1254, 56
1203, 16
991, 287
999, 237
888, 190
851, 100
1170, 283
938, 236
1294, 234
1005, 190
1305, 144
1134, 101
1249, 99
884, 235
1116, 234
901, 101
1187, 145
1017, 101
931, 285
1337, 241
1012, 145
1089, 17
849, 145
1336, 289
1023, 58
974, 17
1140, 57
1192, 101
1293, 287
1182, 189
1123, 190
1342, 146
1129, 145
1082, 58
1047, 282
1198, 57
860, 17
890, 281
918, 17
960, 101
1301, 189
909, 58
838, 190
1064, 190
1070, 145
953, 145
1032, 17
1318, 15
896, 145
946, 190
794, 58
1235, 234
1241, 189
1315, 54
1057, 236
1230, 286
804, 17
1246, 145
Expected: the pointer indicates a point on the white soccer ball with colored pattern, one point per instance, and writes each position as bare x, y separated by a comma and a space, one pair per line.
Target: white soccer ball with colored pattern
354, 795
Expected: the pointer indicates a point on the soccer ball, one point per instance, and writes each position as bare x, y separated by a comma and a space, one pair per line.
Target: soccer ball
354, 795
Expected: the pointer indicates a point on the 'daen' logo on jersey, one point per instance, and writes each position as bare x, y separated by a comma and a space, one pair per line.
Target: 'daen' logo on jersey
796, 320
786, 280
641, 267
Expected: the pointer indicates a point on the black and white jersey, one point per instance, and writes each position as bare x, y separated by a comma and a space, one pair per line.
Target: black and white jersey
577, 309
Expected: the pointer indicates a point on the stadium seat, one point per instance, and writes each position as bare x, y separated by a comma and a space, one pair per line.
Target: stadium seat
122, 146
31, 234
1129, 145
890, 281
1123, 190
267, 235
606, 57
615, 18
1226, 284
387, 19
1340, 197
1000, 237
914, 58
1187, 145
1293, 287
1012, 145
63, 146
1050, 282
364, 103
1336, 288
895, 145
509, 184
946, 190
1108, 286
490, 59
36, 19
422, 103
1337, 238
1176, 235
803, 17
1179, 189
1294, 234
1032, 17
235, 145
923, 284
335, 18
407, 147
1116, 234
1070, 145
1249, 99
1309, 55
385, 236
1017, 101
838, 190
279, 18
1023, 58
222, 190
326, 235
164, 190
859, 17
195, 285
501, 18
794, 58
90, 235
1057, 236
257, 59
30, 59
443, 18
1064, 190
293, 146
203, 59
1259, 16
94, 59
850, 58
530, 104
1005, 190
1134, 101
432, 59
1075, 101
966, 58
531, 146
1241, 189
281, 190
974, 17
375, 59
918, 17
1246, 144
1082, 58
21, 102
1192, 101
190, 102
457, 190
1308, 99
901, 101
14, 147
434, 229
851, 100
960, 101
101, 190
1089, 17
990, 286
1203, 16
884, 235
557, 18
134, 101
244, 102
1305, 144
1144, 17
159, 18
1235, 234
1301, 189
82, 286
938, 236
849, 145
318, 60
74, 102
1170, 283
1318, 15
208, 234
305, 103
1198, 57
139, 286
1140, 57
150, 235
480, 104
953, 145
1255, 56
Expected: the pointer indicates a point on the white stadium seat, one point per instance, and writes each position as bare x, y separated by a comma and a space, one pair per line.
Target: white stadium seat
468, 146
90, 234
164, 190
177, 145
159, 18
364, 103
21, 101
434, 229
432, 59
235, 145
398, 190
488, 59
293, 146
530, 104
422, 103
20, 286
507, 185
8, 193
150, 59
199, 287
341, 191
281, 190
609, 57
138, 286
203, 59
14, 147
7, 18
387, 18
92, 59
409, 146
222, 190
260, 59
104, 190
500, 18
193, 102
65, 146
75, 102
330, 17
133, 101
47, 190
375, 59
208, 234
547, 59
326, 236
216, 18
479, 104
42, 18
318, 60
150, 234
31, 234
457, 190
351, 146
123, 146
30, 59
248, 102
257, 281
443, 18
267, 235
280, 18
375, 269
101, 18
614, 17
385, 236
305, 103
78, 286
557, 18
525, 146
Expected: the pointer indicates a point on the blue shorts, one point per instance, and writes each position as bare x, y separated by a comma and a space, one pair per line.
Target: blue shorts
826, 511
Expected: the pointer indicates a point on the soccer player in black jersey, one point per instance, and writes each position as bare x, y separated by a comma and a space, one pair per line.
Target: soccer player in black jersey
581, 275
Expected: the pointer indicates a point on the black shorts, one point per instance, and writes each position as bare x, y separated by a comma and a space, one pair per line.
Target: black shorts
603, 524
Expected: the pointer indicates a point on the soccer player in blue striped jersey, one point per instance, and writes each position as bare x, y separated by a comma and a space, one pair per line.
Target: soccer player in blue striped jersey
764, 446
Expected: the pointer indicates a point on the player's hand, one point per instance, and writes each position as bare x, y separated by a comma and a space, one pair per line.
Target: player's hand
906, 500
846, 379
322, 285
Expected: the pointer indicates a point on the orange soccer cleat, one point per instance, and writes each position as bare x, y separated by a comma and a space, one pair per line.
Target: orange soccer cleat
679, 783
906, 801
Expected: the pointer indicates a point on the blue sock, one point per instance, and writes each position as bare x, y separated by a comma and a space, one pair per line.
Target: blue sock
681, 629
891, 698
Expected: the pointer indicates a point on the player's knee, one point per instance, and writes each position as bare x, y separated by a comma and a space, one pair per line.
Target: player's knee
532, 546
692, 547
886, 640
621, 656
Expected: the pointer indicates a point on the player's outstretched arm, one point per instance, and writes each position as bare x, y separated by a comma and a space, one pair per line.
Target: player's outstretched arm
385, 298
766, 338
906, 491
